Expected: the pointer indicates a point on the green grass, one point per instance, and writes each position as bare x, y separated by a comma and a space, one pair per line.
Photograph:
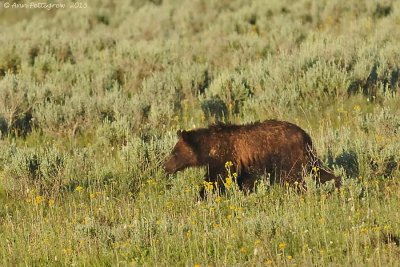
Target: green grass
90, 101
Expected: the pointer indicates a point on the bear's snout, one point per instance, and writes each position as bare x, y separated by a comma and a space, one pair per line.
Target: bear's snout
169, 166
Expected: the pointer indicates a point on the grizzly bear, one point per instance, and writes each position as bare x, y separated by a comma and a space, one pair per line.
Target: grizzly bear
279, 150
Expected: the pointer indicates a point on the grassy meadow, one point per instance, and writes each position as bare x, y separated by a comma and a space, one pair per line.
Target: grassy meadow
91, 99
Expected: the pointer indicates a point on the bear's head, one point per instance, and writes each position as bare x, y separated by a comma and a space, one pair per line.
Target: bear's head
183, 155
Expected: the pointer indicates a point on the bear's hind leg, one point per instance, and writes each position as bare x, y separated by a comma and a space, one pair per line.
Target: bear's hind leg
325, 176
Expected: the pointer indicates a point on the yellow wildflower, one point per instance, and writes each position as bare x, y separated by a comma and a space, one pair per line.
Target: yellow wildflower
268, 262
38, 200
282, 246
51, 202
315, 169
68, 251
386, 227
376, 228
79, 189
228, 164
228, 182
208, 186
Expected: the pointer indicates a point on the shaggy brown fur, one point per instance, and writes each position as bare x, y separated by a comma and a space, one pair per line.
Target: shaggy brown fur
279, 149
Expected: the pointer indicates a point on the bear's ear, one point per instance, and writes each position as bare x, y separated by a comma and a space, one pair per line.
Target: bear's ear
181, 133
185, 135
189, 138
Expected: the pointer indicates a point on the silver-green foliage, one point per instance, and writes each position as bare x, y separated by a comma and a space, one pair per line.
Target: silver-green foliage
90, 100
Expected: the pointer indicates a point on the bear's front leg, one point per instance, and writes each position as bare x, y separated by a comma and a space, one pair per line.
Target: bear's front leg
246, 182
213, 181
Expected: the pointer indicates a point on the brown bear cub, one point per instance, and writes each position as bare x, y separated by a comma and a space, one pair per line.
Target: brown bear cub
279, 150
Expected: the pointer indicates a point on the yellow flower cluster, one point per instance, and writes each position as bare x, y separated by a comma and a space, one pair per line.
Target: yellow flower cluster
231, 177
228, 164
94, 195
208, 186
282, 246
228, 182
38, 200
357, 108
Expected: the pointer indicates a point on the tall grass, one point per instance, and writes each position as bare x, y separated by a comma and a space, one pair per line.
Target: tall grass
90, 101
